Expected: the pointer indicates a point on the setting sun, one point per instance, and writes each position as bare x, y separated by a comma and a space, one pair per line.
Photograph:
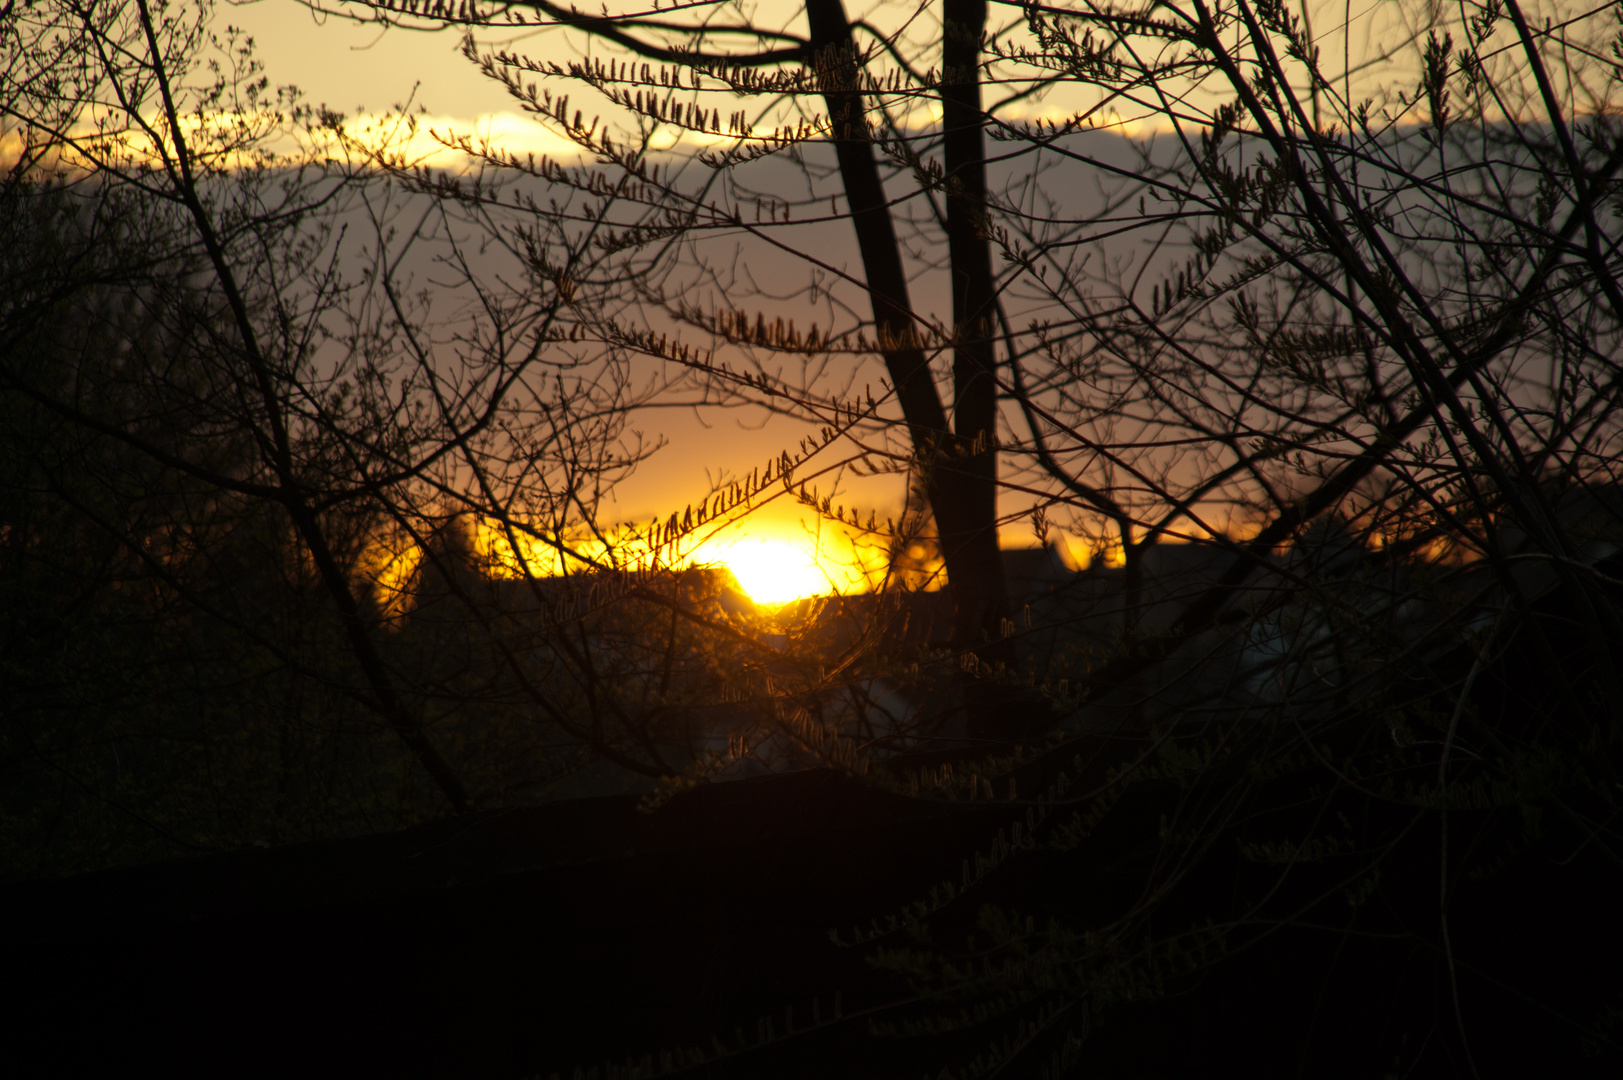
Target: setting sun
775, 571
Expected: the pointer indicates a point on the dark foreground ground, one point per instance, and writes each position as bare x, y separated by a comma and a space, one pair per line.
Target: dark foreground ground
507, 944
585, 933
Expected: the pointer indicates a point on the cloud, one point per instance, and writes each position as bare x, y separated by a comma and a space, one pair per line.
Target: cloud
442, 141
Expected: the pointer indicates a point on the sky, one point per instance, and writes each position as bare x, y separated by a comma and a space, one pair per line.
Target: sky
350, 66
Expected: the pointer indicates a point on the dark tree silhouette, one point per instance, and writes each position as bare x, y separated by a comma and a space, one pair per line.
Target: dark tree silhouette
1308, 317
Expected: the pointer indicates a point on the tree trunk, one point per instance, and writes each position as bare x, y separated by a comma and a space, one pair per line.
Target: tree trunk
960, 461
982, 602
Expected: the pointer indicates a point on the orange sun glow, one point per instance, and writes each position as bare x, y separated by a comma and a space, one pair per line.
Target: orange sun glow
775, 571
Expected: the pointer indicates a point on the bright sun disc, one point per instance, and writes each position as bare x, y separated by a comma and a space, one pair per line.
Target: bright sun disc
775, 571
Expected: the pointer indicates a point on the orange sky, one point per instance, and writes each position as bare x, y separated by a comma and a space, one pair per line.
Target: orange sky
358, 68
